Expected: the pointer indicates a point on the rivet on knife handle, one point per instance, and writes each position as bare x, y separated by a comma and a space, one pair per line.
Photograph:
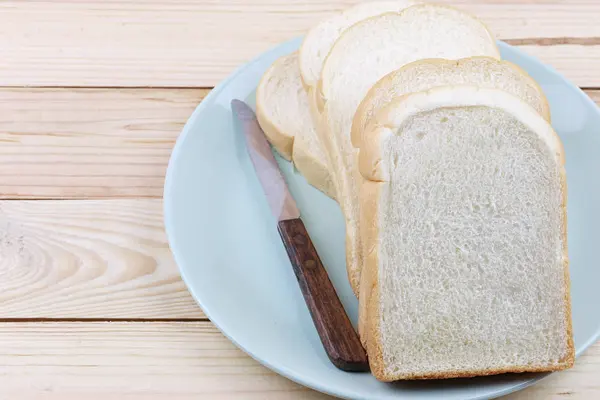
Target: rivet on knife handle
337, 334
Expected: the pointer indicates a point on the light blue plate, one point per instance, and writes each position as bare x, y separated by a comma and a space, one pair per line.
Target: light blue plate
230, 255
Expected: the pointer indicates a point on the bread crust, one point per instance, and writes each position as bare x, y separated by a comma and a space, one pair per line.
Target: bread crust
282, 142
315, 114
291, 148
370, 157
372, 8
368, 318
369, 230
371, 196
352, 232
321, 98
363, 116
316, 172
461, 96
354, 250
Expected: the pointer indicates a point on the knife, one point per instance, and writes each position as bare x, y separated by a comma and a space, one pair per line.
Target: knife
339, 339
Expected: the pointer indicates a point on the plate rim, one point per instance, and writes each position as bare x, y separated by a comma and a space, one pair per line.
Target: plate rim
220, 325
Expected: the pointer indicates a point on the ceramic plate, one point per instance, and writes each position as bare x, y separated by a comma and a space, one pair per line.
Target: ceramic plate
226, 244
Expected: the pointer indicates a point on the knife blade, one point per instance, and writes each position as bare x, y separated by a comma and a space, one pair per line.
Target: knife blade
339, 339
280, 200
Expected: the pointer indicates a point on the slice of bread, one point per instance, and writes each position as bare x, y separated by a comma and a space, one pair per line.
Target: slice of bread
468, 273
427, 74
422, 75
319, 40
283, 113
361, 56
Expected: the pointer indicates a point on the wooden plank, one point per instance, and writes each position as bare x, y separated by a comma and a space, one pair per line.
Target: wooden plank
88, 259
565, 58
132, 361
579, 383
91, 143
196, 44
183, 360
594, 95
82, 143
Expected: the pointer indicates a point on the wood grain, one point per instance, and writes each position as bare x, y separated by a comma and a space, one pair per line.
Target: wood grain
92, 143
82, 143
130, 361
109, 259
88, 259
196, 44
578, 383
182, 360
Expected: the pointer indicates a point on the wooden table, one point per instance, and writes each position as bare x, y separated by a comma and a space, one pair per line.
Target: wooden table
92, 97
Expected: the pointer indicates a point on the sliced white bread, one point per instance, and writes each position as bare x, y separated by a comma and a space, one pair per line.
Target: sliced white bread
426, 74
282, 110
422, 75
362, 55
319, 40
468, 273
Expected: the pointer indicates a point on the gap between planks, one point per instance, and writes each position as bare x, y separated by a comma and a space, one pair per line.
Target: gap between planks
183, 360
161, 43
91, 320
118, 141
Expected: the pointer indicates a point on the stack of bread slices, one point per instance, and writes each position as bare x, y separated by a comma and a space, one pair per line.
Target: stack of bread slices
451, 180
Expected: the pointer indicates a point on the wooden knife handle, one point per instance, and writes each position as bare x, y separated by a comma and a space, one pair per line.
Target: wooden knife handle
337, 334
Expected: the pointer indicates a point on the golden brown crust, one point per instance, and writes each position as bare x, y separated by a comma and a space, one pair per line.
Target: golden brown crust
353, 275
374, 346
570, 357
369, 193
470, 374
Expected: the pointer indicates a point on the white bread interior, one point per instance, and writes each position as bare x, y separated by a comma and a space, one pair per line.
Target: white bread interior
468, 268
361, 56
426, 74
486, 72
282, 110
318, 41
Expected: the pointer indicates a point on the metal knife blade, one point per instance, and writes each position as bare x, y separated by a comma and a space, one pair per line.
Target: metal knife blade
280, 200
